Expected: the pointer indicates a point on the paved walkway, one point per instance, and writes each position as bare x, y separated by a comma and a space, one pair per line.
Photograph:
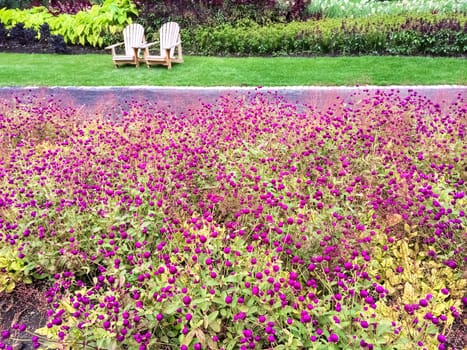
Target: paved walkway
180, 99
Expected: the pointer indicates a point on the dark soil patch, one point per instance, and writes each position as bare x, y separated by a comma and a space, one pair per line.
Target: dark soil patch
25, 305
39, 47
457, 336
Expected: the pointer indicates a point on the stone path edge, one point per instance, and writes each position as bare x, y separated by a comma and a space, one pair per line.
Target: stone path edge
182, 99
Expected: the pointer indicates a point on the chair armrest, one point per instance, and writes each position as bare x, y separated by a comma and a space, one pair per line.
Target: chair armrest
172, 46
113, 46
146, 45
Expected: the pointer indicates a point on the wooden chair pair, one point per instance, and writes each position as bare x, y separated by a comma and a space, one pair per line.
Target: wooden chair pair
137, 49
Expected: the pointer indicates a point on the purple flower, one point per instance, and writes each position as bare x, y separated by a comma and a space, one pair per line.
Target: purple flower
247, 333
5, 334
305, 317
333, 338
423, 302
441, 338
451, 263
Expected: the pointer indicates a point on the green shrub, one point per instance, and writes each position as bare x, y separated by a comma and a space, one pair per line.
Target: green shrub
94, 27
191, 13
441, 35
415, 34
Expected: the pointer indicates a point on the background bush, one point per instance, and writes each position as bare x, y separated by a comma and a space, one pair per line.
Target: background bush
192, 14
444, 35
250, 27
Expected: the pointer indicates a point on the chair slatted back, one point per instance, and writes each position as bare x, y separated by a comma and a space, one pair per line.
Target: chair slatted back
133, 35
169, 34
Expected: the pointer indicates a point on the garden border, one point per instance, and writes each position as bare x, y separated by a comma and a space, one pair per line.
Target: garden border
182, 99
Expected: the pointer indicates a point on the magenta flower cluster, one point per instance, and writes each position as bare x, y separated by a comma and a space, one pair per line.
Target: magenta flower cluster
249, 223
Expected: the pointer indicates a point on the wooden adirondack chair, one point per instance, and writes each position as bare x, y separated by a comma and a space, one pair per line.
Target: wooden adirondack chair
133, 37
169, 43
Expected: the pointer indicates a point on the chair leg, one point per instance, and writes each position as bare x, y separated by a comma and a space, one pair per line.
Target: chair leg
136, 56
180, 54
168, 61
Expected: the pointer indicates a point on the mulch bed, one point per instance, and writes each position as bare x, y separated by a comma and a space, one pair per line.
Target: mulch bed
25, 305
11, 46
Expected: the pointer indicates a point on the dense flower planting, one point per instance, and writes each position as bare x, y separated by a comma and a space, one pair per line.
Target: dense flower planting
247, 224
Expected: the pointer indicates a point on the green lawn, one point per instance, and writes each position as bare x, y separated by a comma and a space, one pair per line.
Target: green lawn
98, 70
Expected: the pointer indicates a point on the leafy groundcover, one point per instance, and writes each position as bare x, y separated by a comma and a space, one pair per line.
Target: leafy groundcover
245, 224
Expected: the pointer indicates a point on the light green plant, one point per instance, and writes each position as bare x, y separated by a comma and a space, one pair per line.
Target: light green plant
363, 8
12, 269
87, 27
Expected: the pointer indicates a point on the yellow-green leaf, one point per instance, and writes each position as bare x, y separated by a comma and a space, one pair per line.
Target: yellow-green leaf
409, 293
215, 325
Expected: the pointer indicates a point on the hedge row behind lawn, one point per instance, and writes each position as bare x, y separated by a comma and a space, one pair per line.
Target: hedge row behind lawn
416, 34
437, 35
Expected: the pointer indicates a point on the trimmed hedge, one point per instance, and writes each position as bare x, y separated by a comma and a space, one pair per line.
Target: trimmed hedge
430, 34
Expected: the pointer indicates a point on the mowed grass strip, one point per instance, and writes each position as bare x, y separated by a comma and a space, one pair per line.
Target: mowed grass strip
97, 70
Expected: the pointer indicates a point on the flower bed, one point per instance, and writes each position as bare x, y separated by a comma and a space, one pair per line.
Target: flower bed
247, 223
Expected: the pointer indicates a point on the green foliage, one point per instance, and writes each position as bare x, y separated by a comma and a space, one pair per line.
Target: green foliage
94, 27
364, 8
192, 13
15, 3
408, 34
12, 269
441, 35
